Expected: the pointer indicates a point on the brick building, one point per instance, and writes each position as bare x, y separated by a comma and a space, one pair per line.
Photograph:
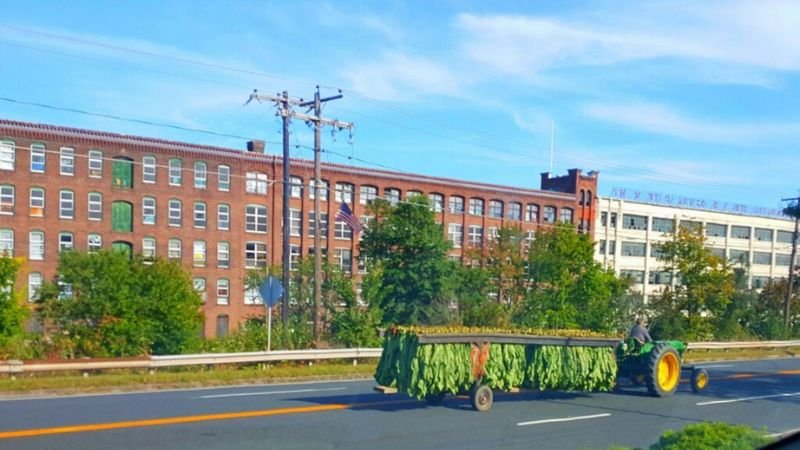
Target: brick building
218, 210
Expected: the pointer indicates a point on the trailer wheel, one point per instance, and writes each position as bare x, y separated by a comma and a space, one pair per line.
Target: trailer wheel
663, 371
481, 397
435, 399
699, 380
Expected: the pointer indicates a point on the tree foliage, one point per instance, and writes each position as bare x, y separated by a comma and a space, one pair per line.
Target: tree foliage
409, 248
568, 288
706, 285
109, 304
12, 309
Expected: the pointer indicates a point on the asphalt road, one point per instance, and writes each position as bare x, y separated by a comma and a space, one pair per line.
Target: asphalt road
351, 415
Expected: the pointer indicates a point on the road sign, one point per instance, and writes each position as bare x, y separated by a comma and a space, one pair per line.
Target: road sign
271, 290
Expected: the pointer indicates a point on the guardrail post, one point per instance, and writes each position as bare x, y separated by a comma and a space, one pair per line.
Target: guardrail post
355, 361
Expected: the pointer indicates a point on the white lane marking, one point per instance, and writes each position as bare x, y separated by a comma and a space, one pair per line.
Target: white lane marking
744, 399
784, 433
292, 391
23, 397
717, 366
563, 419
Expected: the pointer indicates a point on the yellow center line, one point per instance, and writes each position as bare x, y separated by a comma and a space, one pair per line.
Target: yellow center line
185, 419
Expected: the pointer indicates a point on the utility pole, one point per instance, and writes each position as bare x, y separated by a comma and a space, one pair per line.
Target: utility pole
793, 210
284, 110
318, 122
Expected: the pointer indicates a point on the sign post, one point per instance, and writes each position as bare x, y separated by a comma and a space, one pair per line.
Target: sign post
270, 290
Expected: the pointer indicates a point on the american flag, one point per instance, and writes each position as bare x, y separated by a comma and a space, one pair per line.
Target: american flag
347, 216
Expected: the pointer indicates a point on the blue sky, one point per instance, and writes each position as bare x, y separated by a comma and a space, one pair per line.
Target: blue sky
689, 98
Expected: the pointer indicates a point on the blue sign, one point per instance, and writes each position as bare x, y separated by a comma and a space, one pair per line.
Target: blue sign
271, 290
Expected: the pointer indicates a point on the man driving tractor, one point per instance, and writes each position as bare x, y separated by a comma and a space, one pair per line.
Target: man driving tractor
639, 332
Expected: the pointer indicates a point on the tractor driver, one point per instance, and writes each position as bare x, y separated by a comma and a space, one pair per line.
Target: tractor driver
639, 332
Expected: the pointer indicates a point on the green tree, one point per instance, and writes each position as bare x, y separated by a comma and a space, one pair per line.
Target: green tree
12, 311
409, 248
706, 284
767, 319
109, 304
567, 287
471, 288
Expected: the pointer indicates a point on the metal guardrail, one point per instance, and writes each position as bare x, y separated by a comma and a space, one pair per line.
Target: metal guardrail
741, 345
154, 362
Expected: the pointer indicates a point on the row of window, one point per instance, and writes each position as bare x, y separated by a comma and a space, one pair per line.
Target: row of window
663, 277
455, 234
663, 225
257, 183
639, 249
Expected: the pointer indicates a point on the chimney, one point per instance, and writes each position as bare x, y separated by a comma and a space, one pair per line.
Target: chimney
256, 145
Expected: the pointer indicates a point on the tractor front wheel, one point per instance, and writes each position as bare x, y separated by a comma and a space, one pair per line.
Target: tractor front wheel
663, 371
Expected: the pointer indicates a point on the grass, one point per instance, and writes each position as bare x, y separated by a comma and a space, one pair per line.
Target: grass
136, 380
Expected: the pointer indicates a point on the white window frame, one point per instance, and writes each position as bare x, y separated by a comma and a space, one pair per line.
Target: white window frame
339, 255
567, 212
252, 297
175, 214
223, 291
295, 222
149, 169
66, 241
294, 257
36, 245
223, 255
475, 206
175, 171
493, 211
8, 155
476, 235
149, 211
436, 201
453, 201
35, 280
515, 207
342, 230
223, 216
7, 241
200, 215
368, 193
95, 164
149, 247
95, 207
94, 242
392, 195
295, 187
8, 194
66, 161
174, 252
323, 188
199, 253
62, 202
258, 253
455, 233
256, 219
532, 212
256, 183
223, 178
38, 156
344, 193
323, 224
200, 175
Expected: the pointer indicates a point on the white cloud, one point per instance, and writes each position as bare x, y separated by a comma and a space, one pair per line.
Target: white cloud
660, 119
400, 77
762, 37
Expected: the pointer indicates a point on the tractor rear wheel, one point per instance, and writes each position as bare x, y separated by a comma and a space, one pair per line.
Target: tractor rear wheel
699, 380
663, 371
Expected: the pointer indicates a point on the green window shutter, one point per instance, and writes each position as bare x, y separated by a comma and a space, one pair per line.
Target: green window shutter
122, 173
121, 217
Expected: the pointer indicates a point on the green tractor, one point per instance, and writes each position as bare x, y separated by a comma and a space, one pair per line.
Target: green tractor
657, 365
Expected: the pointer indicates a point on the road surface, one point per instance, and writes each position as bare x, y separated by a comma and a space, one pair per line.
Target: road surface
349, 414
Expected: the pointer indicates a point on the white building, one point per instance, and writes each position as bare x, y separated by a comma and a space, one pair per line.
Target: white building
626, 232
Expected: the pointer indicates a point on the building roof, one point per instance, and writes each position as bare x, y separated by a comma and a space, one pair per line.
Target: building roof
34, 131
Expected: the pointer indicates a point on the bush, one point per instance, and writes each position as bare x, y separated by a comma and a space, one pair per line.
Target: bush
252, 336
356, 327
712, 436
